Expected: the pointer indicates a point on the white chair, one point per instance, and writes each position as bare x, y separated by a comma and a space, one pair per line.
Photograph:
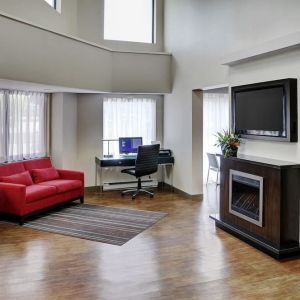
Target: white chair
213, 165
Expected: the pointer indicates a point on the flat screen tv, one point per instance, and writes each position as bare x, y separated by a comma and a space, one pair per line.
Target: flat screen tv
266, 110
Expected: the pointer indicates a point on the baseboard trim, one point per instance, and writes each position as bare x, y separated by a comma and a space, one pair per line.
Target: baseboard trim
182, 193
161, 185
92, 189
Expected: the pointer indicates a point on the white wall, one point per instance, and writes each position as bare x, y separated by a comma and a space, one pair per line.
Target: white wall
34, 55
199, 33
41, 13
91, 27
80, 18
285, 65
70, 131
56, 127
63, 148
141, 73
89, 134
197, 140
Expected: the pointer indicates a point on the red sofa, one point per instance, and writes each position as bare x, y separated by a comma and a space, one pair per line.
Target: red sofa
31, 186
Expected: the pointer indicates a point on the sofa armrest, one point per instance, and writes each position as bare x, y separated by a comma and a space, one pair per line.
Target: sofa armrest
12, 198
71, 174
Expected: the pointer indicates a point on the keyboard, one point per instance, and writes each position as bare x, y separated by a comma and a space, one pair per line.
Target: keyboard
128, 156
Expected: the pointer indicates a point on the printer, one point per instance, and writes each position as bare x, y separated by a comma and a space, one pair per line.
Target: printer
165, 152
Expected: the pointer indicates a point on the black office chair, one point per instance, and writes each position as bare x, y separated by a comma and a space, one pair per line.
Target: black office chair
146, 163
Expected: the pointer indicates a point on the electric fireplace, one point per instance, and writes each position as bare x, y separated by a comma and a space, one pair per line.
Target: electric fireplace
259, 203
246, 196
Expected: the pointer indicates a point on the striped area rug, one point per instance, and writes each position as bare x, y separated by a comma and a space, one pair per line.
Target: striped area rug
99, 223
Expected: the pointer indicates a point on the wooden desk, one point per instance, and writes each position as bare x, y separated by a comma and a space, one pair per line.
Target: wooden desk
123, 161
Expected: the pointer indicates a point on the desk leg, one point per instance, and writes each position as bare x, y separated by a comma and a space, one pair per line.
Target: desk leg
162, 168
172, 178
98, 187
96, 178
96, 169
100, 180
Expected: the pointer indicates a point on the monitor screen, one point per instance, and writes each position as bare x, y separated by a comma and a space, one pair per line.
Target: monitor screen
129, 144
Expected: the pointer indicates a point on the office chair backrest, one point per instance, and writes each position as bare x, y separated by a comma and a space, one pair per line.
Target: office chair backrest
147, 160
213, 162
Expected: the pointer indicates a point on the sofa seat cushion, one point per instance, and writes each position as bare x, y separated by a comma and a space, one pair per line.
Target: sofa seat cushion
20, 178
37, 192
43, 175
63, 185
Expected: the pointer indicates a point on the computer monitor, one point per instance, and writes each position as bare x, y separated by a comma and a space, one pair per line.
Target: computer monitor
129, 144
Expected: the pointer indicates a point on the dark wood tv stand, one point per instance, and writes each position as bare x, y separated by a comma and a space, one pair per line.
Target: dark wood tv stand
277, 183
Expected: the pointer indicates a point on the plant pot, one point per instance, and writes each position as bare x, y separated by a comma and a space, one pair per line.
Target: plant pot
232, 153
223, 150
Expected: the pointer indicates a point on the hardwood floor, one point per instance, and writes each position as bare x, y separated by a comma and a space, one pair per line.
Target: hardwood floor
181, 257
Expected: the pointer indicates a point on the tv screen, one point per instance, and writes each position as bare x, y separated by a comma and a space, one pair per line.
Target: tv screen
261, 111
266, 110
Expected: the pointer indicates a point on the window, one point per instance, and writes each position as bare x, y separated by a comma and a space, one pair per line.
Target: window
23, 125
129, 20
52, 3
215, 118
2, 128
129, 117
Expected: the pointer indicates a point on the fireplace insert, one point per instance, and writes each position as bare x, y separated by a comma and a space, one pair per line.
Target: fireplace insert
246, 196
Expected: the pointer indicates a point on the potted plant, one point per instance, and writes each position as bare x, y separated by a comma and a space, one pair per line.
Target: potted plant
229, 142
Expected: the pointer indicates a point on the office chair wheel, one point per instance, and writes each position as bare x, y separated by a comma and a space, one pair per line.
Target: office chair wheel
151, 196
122, 194
133, 197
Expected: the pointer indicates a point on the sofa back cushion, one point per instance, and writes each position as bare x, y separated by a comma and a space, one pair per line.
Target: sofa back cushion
46, 174
11, 169
20, 178
40, 163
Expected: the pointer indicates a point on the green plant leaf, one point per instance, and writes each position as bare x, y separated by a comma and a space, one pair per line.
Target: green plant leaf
228, 141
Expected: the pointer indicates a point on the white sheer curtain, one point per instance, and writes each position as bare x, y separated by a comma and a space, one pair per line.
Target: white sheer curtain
129, 116
24, 133
215, 118
2, 127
